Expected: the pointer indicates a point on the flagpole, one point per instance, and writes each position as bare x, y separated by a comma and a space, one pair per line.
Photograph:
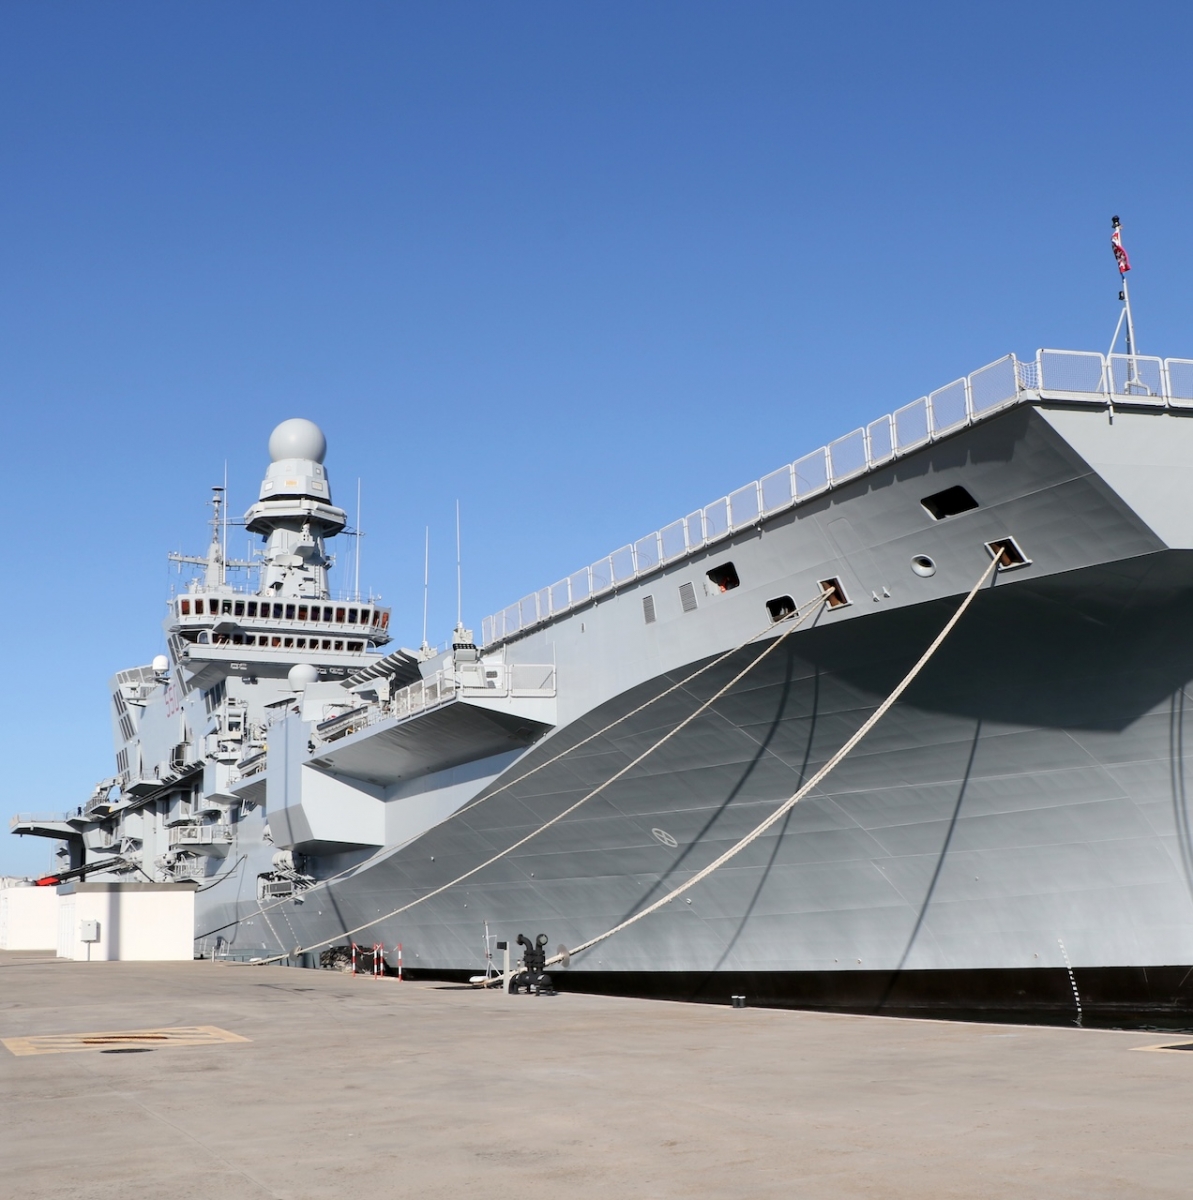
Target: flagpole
1124, 265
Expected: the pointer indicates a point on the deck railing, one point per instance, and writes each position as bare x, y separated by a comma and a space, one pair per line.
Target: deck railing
1066, 375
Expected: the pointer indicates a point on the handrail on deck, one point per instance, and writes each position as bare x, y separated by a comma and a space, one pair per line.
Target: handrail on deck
1073, 376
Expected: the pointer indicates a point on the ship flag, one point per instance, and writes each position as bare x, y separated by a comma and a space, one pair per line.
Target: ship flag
1116, 243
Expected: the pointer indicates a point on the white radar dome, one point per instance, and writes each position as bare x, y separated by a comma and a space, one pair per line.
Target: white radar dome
161, 663
301, 676
297, 438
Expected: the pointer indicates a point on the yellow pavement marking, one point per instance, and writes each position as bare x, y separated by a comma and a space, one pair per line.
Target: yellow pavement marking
67, 1043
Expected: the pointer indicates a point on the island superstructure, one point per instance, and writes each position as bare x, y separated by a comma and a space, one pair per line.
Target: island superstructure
1018, 821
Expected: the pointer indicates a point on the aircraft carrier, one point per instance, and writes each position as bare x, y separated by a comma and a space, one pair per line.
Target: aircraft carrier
1012, 839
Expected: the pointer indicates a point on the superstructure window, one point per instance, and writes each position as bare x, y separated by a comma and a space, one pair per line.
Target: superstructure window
352, 616
340, 616
339, 645
289, 612
252, 608
724, 578
949, 503
186, 608
356, 645
302, 612
199, 607
780, 607
238, 609
227, 607
277, 612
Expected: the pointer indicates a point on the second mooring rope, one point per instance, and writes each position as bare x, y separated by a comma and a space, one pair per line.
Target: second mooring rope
793, 800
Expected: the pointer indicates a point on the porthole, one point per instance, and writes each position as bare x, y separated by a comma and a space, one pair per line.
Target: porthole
922, 565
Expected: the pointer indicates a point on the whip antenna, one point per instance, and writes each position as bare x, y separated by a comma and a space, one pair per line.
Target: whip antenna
426, 583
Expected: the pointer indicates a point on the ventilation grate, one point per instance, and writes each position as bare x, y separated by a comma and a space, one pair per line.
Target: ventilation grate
687, 597
648, 609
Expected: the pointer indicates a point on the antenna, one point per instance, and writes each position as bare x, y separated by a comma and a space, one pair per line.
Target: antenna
426, 583
224, 537
359, 535
459, 585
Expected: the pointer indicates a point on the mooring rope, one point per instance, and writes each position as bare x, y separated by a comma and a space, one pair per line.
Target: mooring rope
487, 796
771, 647
794, 799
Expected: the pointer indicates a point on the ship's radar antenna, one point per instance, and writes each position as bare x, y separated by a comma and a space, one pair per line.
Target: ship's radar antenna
426, 650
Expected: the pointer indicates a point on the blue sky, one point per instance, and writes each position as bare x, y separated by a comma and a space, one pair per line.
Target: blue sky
583, 267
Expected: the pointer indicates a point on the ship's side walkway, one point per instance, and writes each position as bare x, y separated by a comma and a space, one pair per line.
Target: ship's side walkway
354, 1087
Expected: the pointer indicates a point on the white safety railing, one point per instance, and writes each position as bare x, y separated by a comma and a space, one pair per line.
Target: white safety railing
1064, 375
200, 835
500, 679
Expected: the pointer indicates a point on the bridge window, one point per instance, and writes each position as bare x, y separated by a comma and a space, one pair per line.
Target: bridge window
340, 615
238, 609
356, 645
289, 612
327, 643
339, 645
252, 608
199, 607
186, 608
302, 612
352, 616
277, 612
275, 642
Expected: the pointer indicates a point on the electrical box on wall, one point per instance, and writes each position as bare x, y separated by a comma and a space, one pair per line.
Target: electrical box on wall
88, 931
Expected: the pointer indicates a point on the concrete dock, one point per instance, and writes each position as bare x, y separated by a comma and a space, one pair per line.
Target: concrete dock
359, 1088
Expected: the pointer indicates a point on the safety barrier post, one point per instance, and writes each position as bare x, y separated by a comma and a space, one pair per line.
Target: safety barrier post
399, 962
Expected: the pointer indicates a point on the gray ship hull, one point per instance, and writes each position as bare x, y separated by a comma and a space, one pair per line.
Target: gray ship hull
1025, 804
1012, 839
